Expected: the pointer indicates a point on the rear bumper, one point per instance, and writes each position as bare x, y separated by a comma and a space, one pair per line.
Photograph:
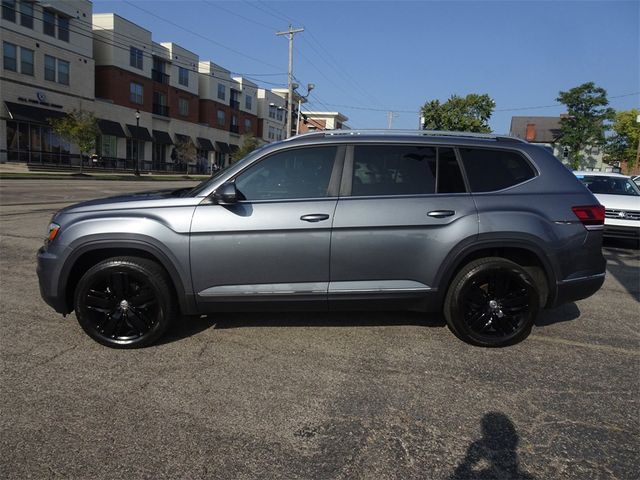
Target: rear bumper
578, 288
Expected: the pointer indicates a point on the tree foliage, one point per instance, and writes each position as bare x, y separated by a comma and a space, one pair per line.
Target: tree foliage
186, 153
462, 114
80, 128
622, 146
249, 144
587, 108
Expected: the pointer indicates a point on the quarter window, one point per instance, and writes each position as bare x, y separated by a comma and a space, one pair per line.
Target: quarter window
299, 173
491, 170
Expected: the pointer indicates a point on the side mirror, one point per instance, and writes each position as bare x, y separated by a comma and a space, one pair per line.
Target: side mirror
226, 194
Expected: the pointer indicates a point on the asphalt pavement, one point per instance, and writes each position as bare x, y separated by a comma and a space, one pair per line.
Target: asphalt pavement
384, 395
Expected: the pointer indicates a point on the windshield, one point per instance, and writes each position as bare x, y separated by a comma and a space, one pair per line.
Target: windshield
610, 185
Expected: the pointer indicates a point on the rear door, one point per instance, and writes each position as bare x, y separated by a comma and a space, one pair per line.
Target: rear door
402, 209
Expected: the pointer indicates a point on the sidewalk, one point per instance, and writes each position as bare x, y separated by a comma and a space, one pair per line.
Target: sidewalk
20, 171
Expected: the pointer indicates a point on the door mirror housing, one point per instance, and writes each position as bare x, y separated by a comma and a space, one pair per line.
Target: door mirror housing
226, 194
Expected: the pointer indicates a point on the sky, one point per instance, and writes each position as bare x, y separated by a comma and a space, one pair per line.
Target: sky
369, 58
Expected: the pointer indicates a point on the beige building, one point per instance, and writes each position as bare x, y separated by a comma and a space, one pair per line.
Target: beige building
323, 121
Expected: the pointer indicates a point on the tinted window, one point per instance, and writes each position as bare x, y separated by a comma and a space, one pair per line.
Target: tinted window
449, 174
300, 173
610, 185
393, 170
491, 170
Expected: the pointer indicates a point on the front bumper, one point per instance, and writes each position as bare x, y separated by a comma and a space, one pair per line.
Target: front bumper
48, 270
621, 231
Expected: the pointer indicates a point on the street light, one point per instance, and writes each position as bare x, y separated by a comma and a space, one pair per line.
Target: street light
310, 86
137, 167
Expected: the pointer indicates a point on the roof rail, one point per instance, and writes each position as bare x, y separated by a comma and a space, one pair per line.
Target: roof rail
421, 133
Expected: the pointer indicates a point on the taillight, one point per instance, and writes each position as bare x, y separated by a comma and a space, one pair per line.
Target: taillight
591, 216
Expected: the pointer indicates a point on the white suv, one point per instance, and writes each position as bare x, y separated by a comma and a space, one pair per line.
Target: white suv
621, 199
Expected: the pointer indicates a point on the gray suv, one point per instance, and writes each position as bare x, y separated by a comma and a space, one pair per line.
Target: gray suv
487, 229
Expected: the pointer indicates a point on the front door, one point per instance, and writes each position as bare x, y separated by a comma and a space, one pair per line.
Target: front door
273, 244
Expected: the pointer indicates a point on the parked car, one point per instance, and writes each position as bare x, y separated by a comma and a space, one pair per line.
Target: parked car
488, 229
636, 180
621, 199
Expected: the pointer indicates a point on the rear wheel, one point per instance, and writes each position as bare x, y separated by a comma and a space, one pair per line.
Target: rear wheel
125, 302
492, 302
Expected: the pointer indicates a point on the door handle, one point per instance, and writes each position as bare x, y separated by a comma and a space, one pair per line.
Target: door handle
441, 213
314, 217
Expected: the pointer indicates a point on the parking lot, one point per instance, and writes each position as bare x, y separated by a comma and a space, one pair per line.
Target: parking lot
297, 395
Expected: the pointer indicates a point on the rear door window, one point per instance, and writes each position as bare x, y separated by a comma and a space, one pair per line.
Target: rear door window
380, 170
490, 170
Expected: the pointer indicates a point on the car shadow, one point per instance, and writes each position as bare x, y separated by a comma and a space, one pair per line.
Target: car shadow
495, 454
622, 264
559, 314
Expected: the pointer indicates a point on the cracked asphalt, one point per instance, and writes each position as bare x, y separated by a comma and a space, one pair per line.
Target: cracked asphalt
383, 395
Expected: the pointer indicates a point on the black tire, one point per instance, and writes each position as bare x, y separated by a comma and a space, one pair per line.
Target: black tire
125, 302
492, 302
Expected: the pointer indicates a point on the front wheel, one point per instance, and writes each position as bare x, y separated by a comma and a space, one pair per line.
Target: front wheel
125, 302
492, 302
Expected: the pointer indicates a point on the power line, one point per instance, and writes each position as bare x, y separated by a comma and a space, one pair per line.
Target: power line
231, 12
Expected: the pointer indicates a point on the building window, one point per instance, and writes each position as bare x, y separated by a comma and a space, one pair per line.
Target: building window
63, 72
49, 23
26, 14
183, 107
221, 91
10, 57
9, 10
136, 93
247, 101
26, 61
221, 118
107, 146
160, 104
183, 76
135, 57
49, 68
280, 114
247, 125
272, 111
63, 28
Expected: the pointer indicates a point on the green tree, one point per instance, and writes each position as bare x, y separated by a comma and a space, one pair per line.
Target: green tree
622, 146
80, 128
585, 123
249, 144
461, 114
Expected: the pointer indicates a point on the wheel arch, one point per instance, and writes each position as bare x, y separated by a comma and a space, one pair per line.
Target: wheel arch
525, 253
87, 255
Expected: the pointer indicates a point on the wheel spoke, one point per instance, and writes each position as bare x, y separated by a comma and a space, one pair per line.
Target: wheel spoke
477, 319
143, 299
137, 321
111, 323
98, 301
119, 284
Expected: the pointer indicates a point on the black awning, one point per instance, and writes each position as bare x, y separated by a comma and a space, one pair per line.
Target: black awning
233, 148
29, 113
205, 144
222, 147
161, 137
139, 133
183, 138
107, 127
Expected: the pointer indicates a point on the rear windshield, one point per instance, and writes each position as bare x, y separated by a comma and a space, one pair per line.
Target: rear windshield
610, 185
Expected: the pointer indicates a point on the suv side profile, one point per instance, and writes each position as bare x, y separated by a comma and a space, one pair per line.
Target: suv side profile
487, 229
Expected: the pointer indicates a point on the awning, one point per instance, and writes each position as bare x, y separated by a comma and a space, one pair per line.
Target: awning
205, 144
233, 148
161, 137
28, 113
107, 127
222, 147
183, 138
139, 133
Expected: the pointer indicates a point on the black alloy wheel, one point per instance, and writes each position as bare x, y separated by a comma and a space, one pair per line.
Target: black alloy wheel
492, 302
124, 302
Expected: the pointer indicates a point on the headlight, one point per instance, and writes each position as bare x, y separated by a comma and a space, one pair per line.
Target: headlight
54, 228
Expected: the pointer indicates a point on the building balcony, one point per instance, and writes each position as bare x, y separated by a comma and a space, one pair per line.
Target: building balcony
235, 105
160, 109
160, 77
234, 129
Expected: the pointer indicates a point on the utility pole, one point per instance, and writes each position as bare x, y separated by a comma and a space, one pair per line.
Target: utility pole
290, 32
390, 117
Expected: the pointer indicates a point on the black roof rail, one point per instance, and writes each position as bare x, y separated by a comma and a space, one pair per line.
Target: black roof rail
423, 133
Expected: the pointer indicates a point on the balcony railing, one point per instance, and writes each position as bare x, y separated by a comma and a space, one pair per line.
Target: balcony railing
160, 77
235, 105
161, 109
234, 129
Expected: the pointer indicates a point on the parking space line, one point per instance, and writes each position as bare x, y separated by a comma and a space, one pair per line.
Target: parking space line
592, 346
